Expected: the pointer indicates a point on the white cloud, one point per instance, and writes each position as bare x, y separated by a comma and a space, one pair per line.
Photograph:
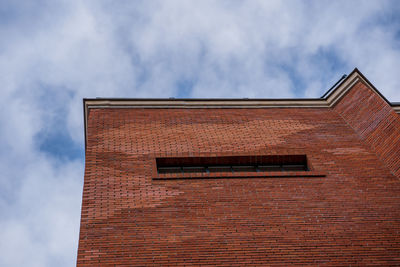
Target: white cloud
41, 226
54, 53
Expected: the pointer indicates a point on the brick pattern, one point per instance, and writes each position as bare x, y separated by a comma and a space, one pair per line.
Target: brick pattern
349, 217
375, 121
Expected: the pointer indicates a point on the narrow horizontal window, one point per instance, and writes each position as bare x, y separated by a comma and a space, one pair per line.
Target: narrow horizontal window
294, 167
270, 168
169, 169
193, 169
244, 168
233, 164
219, 168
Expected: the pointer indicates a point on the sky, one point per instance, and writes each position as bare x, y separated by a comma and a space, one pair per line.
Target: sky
54, 53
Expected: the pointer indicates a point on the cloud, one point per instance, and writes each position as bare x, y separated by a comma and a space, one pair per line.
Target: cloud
41, 227
54, 53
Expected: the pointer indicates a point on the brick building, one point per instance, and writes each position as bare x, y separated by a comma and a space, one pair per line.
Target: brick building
243, 181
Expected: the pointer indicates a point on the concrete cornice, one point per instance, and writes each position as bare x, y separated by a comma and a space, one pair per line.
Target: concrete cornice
327, 102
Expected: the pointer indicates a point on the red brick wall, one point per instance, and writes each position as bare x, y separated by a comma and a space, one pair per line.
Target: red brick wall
349, 217
375, 121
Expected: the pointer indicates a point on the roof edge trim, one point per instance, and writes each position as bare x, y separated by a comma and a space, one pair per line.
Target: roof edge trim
329, 100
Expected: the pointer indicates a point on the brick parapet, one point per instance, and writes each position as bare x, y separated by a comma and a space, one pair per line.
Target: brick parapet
375, 121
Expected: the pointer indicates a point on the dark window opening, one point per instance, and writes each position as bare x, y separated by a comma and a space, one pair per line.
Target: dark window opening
232, 164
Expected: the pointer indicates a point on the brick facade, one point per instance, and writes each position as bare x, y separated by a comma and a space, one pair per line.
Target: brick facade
375, 121
349, 215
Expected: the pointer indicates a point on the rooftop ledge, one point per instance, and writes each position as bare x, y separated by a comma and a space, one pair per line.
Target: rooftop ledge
329, 100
